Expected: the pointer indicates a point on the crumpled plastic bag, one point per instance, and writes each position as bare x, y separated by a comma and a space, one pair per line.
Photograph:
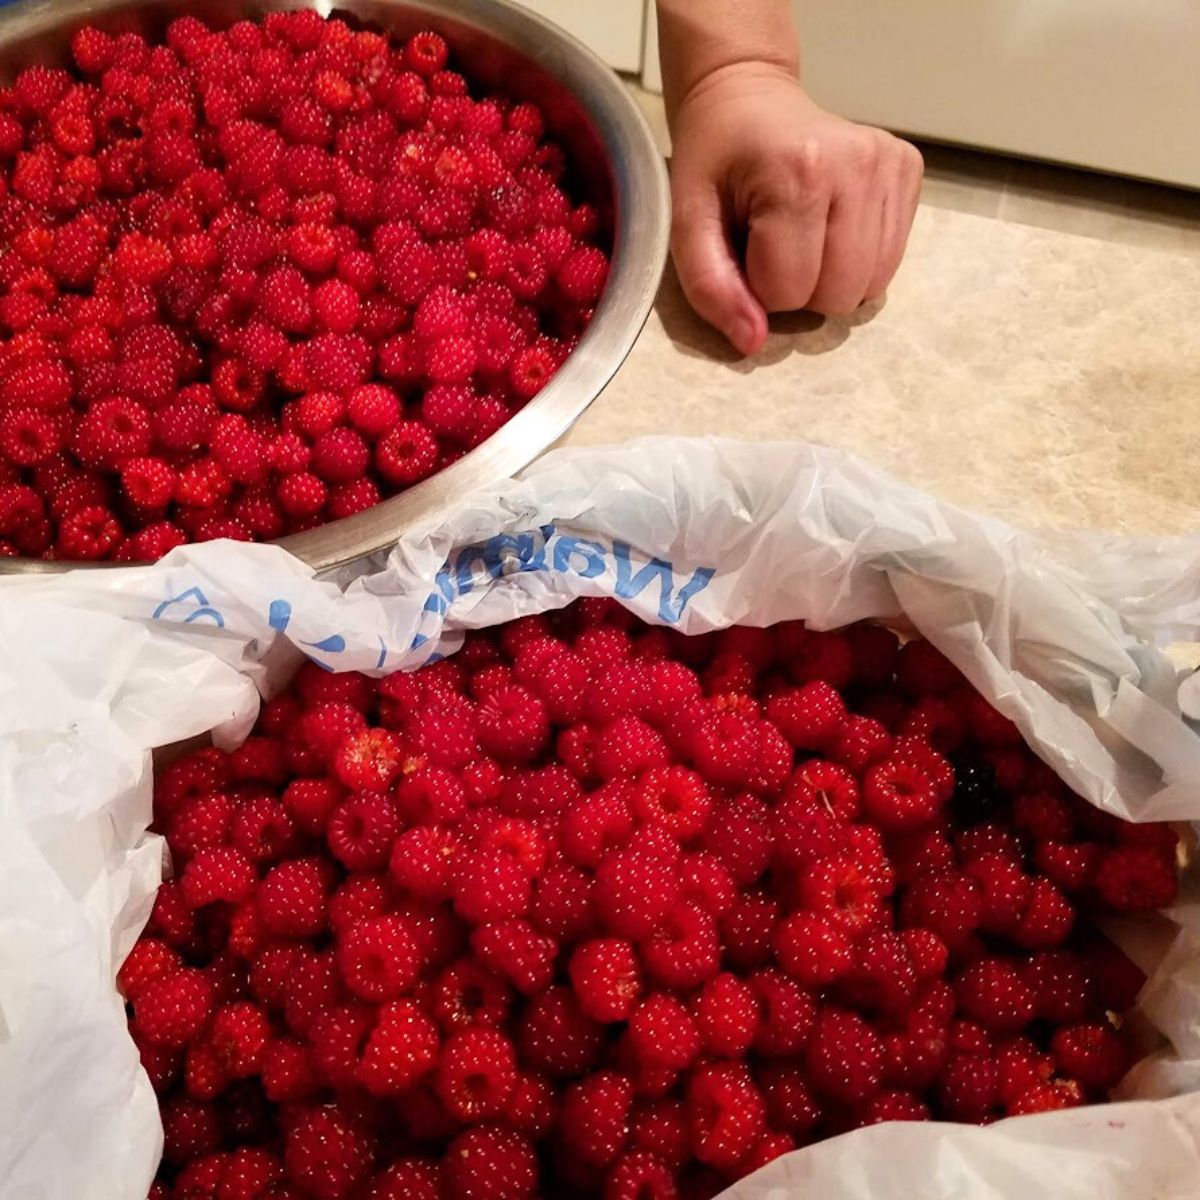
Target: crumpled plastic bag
83, 698
1061, 634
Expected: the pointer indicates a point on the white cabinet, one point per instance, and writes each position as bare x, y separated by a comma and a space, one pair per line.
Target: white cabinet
613, 29
1108, 84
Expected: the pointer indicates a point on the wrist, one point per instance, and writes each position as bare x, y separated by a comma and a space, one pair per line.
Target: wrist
736, 81
703, 41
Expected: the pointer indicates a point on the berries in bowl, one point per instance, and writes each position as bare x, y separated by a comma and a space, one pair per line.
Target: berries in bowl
301, 278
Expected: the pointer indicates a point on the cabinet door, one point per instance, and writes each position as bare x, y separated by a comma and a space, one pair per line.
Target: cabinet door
1110, 84
612, 29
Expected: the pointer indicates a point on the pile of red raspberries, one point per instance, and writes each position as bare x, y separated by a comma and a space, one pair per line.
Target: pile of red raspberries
591, 908
260, 279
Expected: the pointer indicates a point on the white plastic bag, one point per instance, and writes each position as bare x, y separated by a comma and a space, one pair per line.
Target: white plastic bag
704, 534
83, 696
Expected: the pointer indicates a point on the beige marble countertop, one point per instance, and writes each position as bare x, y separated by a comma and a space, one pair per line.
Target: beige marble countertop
1046, 378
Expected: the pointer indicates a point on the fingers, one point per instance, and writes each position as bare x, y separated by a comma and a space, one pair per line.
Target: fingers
786, 246
827, 235
897, 217
708, 268
851, 252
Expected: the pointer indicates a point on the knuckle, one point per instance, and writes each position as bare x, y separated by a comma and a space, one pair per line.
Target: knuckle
705, 291
914, 160
865, 151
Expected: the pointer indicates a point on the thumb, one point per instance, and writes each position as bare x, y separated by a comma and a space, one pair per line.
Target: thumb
709, 272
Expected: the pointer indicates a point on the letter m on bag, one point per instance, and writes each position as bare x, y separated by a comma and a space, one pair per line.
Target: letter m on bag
671, 603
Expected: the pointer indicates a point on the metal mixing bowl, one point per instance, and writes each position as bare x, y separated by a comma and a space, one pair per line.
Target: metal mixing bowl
588, 111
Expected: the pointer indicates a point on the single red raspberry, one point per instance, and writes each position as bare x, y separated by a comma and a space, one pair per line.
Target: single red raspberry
556, 1038
993, 992
490, 886
346, 499
110, 432
813, 949
606, 978
362, 829
883, 977
431, 796
725, 748
407, 453
155, 541
628, 746
378, 958
1062, 985
204, 822
172, 1009
406, 1179
893, 1105
467, 994
1068, 865
339, 1037
1136, 879
810, 717
311, 802
663, 1033
1092, 1053
562, 903
92, 50
1043, 816
594, 1119
424, 862
357, 898
786, 1013
684, 951
1047, 920
927, 953
190, 1130
512, 725
968, 1089
634, 892
369, 760
450, 409
1004, 891
326, 1155
373, 409
340, 456
937, 721
1047, 1097
726, 1114
515, 951
1020, 1066
476, 1074
791, 1105
489, 1163
899, 795
582, 275
640, 1176
148, 959
292, 898
258, 759
838, 889
218, 874
238, 1038
727, 1015
739, 835
844, 1057
946, 902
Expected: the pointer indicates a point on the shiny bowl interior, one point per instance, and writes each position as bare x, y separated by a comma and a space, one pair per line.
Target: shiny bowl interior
588, 110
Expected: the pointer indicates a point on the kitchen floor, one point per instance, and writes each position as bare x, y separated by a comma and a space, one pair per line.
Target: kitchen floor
1036, 357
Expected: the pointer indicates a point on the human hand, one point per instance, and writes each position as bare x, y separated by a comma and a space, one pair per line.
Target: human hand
779, 205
